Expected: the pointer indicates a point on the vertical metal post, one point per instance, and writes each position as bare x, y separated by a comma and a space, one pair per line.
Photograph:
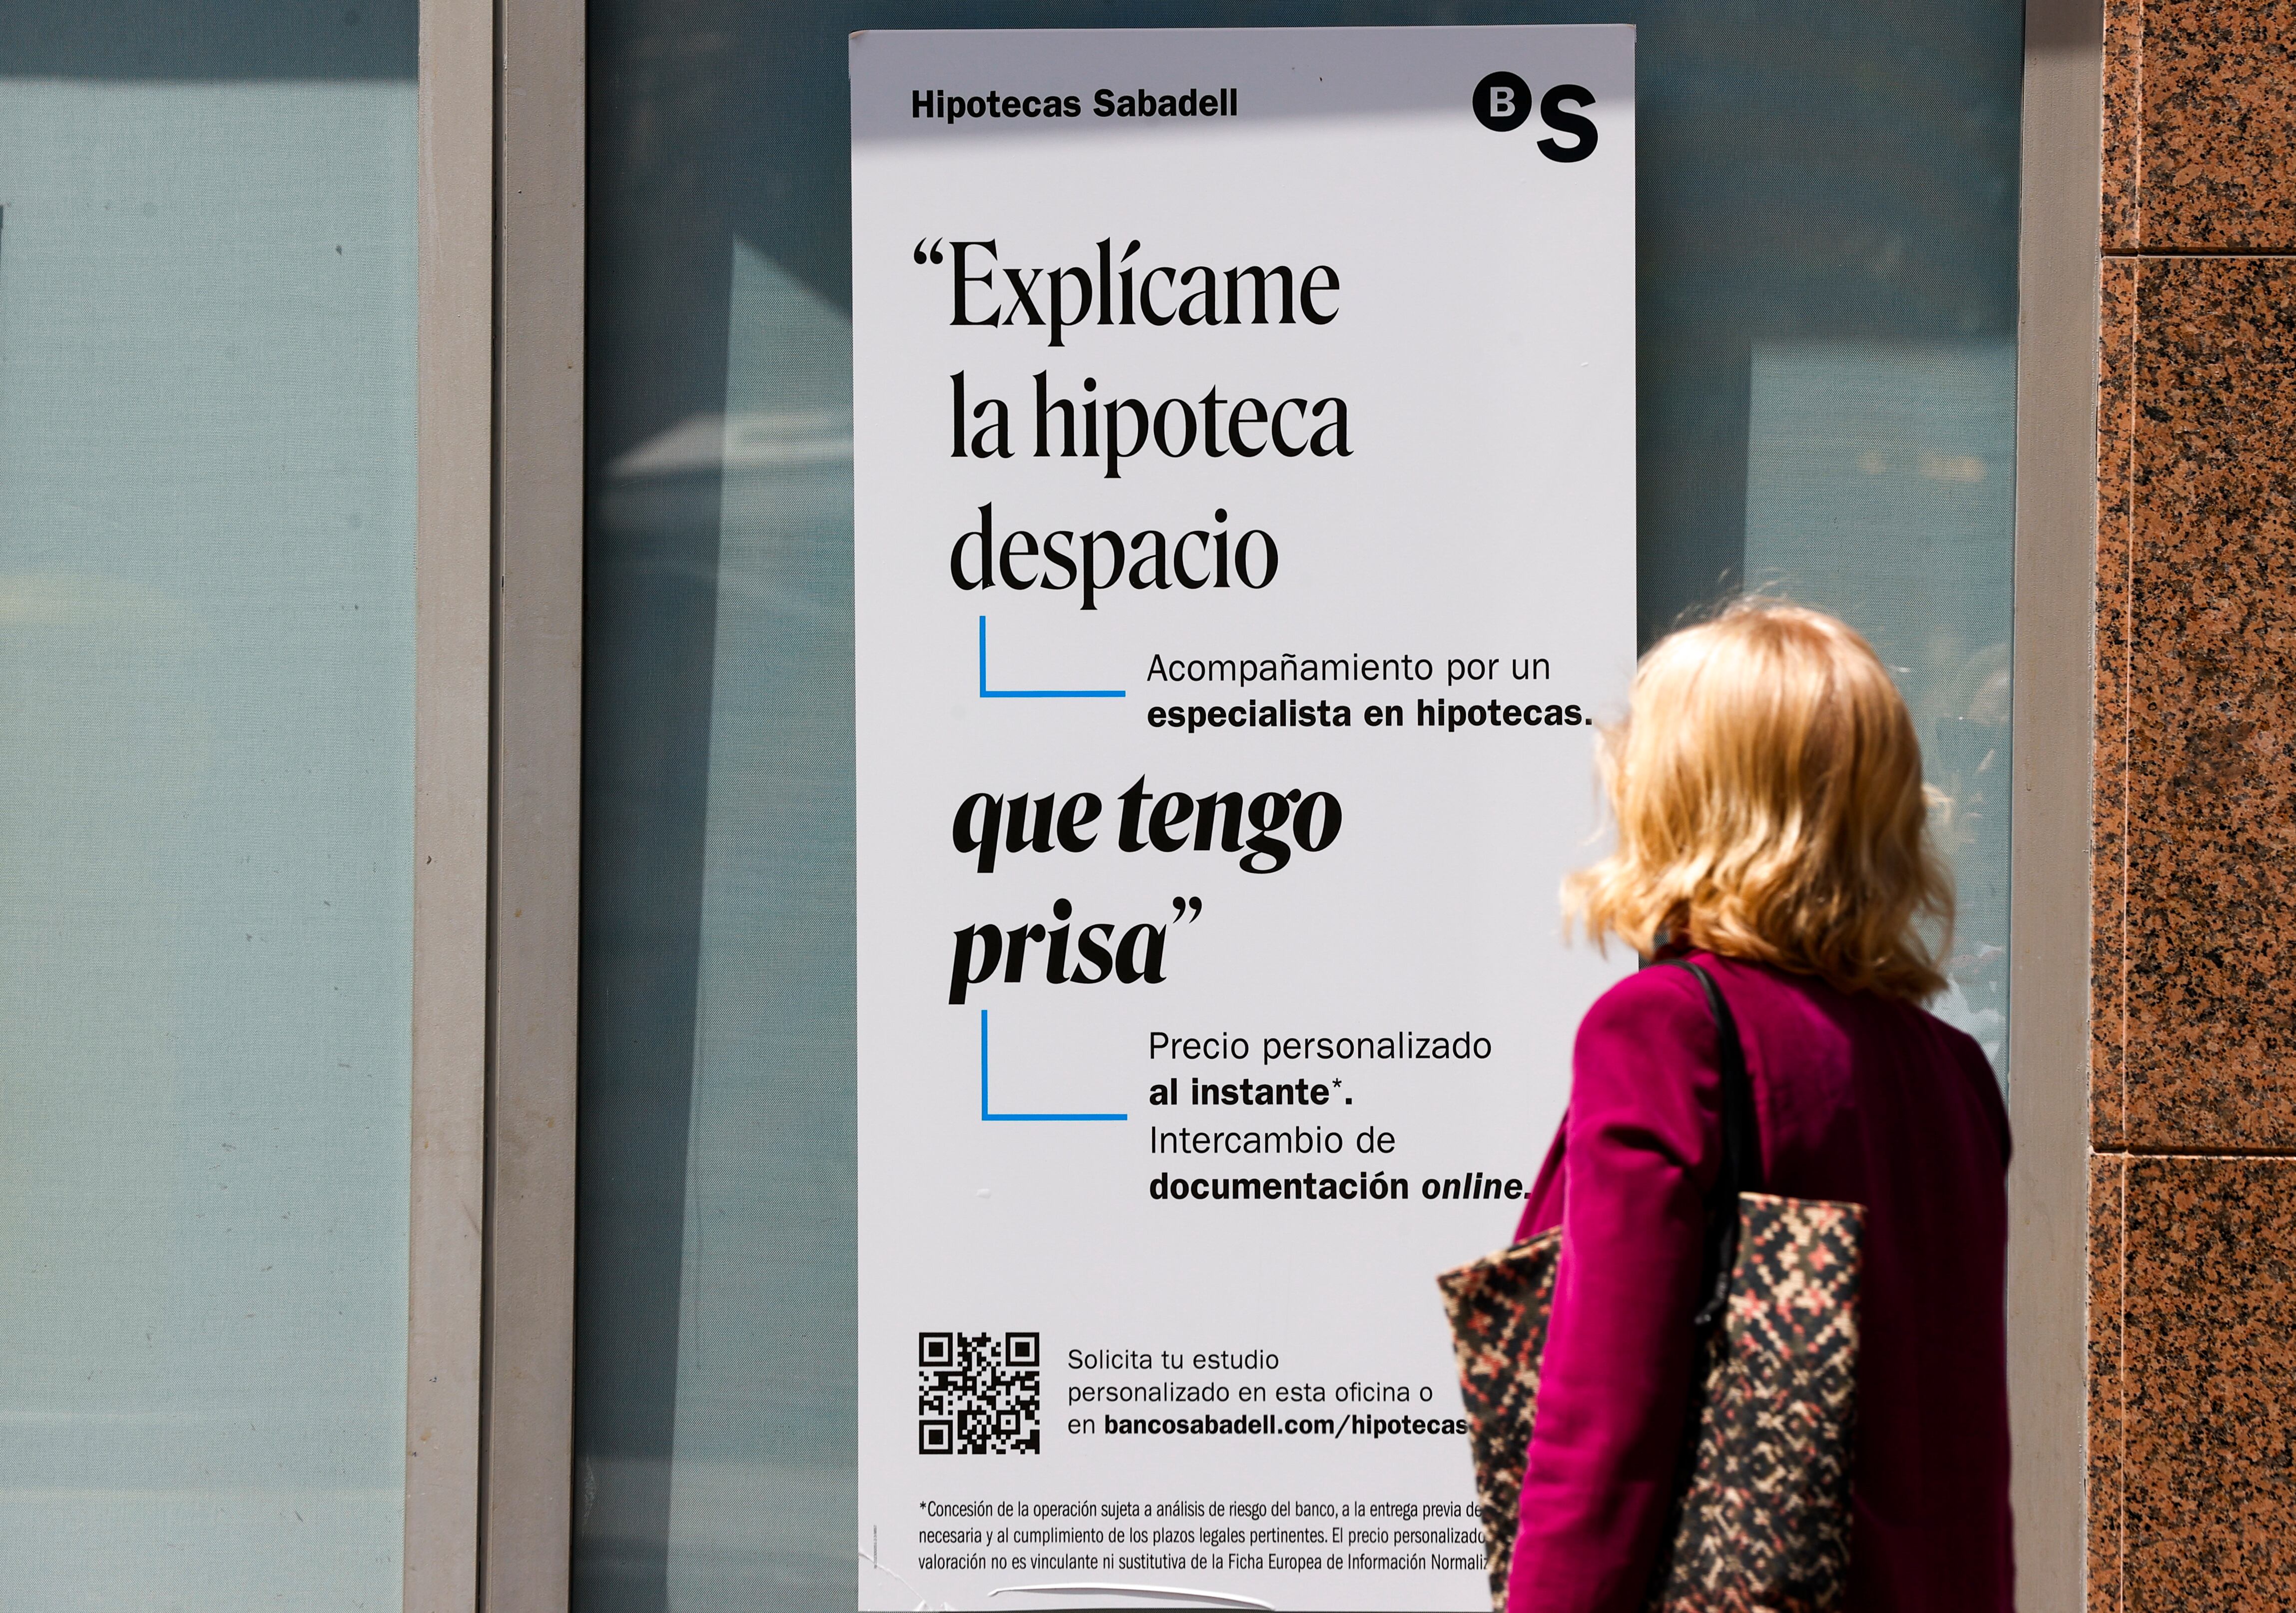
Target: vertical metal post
454, 647
528, 1409
2049, 875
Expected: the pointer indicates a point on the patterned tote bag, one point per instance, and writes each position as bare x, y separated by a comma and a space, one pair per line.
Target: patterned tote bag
1761, 1521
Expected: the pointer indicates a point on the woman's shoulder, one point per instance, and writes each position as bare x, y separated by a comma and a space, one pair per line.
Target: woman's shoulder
1958, 1047
1801, 1034
1664, 990
1772, 1006
1958, 1043
1647, 1060
1662, 997
1654, 995
1656, 1015
1864, 1029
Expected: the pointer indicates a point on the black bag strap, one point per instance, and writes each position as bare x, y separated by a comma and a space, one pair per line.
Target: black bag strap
1742, 1154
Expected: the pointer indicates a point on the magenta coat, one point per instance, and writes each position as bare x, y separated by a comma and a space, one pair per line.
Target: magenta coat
1859, 1098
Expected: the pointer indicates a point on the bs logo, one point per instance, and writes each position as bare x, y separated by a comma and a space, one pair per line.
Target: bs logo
1502, 101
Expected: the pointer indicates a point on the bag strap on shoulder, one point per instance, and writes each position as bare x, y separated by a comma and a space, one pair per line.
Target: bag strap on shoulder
1742, 1157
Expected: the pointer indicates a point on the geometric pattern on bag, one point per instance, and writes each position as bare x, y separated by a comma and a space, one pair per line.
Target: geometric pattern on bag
1499, 1307
1760, 1521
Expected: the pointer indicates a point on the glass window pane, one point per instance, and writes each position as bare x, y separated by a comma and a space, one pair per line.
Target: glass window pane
1878, 482
207, 494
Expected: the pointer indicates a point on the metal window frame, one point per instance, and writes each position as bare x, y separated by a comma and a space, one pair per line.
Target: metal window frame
501, 99
2053, 655
499, 629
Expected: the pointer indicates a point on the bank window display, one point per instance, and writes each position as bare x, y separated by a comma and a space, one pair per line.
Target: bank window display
1827, 267
208, 307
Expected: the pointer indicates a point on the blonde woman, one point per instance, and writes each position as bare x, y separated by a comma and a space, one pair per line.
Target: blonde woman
1771, 826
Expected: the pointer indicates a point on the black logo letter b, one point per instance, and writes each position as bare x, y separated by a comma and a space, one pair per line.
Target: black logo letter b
1502, 101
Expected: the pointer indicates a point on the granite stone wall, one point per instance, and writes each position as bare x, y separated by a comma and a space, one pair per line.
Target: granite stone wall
2192, 1110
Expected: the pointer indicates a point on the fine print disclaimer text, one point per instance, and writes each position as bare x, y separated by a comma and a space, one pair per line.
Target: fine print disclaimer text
1214, 1535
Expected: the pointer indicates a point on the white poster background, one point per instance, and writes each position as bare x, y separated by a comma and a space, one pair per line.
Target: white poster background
1484, 344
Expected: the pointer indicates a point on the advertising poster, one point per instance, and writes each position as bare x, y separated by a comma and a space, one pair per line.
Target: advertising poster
1244, 551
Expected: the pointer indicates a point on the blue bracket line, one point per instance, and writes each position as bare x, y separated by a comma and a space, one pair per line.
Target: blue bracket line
987, 694
985, 1112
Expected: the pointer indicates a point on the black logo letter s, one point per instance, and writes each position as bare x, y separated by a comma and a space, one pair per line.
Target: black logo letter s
1551, 113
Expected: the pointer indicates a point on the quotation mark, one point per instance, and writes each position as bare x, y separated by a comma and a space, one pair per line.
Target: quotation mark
921, 256
1190, 908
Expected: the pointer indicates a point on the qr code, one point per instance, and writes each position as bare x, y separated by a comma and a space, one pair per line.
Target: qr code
978, 1395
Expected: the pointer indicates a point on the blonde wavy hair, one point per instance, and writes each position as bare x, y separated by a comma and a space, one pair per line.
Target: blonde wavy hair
1766, 785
